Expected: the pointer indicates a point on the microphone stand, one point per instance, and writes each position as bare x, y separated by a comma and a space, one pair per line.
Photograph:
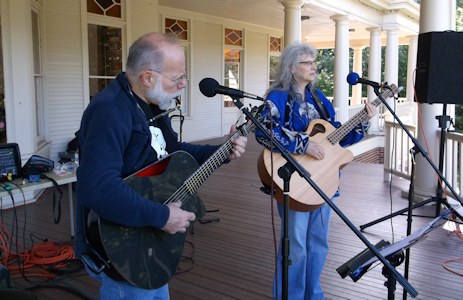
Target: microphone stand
415, 150
291, 166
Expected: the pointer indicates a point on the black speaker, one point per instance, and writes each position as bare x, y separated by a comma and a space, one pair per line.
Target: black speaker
439, 67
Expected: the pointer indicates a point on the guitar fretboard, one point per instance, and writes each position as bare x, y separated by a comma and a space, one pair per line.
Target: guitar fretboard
336, 136
192, 183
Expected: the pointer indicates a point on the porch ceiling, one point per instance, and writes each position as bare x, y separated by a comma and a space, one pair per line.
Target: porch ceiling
319, 29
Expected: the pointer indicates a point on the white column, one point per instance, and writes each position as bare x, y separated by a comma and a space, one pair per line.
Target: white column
374, 72
434, 16
391, 65
412, 52
292, 20
357, 68
341, 67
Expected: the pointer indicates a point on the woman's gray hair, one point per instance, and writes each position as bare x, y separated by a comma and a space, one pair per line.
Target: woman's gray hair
147, 52
289, 59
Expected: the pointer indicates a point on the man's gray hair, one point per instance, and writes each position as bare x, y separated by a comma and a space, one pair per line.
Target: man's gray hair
147, 52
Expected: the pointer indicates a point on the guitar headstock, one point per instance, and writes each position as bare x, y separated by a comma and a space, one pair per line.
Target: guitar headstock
256, 110
249, 126
393, 89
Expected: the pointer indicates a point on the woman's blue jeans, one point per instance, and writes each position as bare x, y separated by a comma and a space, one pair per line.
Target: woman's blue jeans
308, 249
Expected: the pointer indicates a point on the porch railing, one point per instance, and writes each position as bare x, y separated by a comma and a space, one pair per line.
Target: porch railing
397, 156
397, 145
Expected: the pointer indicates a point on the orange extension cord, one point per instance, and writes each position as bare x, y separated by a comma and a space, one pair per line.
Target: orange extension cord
40, 260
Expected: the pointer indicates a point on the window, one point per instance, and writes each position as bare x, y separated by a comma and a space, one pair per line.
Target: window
110, 8
38, 79
177, 27
273, 65
181, 29
105, 42
105, 55
275, 51
233, 51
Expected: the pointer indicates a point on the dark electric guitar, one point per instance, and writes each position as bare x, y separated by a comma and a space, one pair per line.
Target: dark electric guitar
147, 257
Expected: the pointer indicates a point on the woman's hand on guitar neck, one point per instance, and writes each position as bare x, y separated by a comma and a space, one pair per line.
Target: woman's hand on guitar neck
371, 110
179, 219
315, 150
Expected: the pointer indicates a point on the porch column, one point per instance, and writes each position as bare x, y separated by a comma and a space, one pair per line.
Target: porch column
391, 66
374, 72
341, 67
357, 68
412, 53
292, 30
434, 16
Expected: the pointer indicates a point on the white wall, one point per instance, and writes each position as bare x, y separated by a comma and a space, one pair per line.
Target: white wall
63, 71
206, 61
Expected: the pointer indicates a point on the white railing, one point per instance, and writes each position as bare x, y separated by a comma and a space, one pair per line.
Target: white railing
397, 156
453, 161
397, 145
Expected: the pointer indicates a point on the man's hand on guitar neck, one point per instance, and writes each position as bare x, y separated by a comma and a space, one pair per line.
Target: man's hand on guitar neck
239, 144
179, 219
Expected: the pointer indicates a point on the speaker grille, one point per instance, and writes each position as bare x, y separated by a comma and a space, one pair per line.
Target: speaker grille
439, 68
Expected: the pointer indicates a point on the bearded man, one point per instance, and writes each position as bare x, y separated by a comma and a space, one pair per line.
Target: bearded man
124, 129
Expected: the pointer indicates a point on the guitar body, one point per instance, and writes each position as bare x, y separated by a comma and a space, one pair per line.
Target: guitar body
144, 256
325, 173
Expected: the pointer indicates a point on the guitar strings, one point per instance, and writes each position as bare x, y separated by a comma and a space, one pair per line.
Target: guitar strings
337, 135
192, 183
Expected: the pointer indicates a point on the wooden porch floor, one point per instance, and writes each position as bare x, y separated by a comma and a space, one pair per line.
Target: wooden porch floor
233, 258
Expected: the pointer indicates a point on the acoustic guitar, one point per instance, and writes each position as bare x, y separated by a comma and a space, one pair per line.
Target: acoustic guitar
144, 256
325, 173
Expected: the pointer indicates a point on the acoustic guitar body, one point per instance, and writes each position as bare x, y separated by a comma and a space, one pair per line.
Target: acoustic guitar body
325, 173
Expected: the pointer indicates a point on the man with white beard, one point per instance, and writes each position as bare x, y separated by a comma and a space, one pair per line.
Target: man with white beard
123, 130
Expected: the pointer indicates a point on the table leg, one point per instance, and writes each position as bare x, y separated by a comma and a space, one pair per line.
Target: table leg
71, 209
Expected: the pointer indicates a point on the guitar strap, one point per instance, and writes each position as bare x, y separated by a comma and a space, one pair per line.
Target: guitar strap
321, 107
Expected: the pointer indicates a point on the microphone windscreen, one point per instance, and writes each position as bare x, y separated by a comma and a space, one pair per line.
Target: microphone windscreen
352, 78
208, 86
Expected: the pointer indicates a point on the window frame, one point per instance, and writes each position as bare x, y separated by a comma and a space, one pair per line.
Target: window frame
185, 104
227, 100
38, 80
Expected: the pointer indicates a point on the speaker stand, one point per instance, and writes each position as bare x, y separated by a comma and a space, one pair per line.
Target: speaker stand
439, 199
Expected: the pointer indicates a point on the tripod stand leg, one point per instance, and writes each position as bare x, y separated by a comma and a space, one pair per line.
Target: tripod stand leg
411, 195
443, 121
399, 212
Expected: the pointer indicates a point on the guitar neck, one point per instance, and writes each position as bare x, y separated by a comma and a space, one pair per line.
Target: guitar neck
336, 136
198, 177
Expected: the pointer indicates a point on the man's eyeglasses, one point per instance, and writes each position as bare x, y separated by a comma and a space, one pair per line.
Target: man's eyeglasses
176, 80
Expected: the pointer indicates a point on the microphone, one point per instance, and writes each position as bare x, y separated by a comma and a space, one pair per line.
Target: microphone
210, 87
354, 78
